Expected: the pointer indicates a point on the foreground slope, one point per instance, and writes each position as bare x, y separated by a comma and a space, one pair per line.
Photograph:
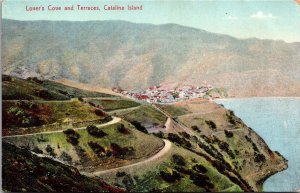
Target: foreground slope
23, 171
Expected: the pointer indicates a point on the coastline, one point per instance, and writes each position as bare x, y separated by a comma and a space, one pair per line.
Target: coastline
257, 97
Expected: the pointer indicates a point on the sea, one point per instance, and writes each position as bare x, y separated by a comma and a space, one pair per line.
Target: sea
277, 121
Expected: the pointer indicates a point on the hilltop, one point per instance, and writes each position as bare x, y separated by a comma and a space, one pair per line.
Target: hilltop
133, 56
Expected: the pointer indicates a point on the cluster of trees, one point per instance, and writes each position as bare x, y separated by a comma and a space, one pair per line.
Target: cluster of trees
170, 177
114, 150
212, 125
259, 157
159, 134
228, 134
185, 134
178, 160
225, 147
196, 174
95, 131
179, 140
122, 129
121, 152
97, 148
139, 126
72, 136
196, 128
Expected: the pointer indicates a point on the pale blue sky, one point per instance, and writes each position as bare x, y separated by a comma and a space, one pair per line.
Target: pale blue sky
278, 20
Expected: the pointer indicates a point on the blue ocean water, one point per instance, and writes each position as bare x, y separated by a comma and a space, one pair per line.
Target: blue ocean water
277, 121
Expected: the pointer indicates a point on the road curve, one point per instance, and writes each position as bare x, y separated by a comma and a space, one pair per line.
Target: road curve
161, 153
113, 121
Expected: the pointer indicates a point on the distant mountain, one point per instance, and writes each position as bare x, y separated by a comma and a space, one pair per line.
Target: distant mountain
118, 53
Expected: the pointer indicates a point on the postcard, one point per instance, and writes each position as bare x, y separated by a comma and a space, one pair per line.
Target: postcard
150, 96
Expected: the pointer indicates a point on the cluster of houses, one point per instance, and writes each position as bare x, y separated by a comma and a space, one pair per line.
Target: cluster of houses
158, 94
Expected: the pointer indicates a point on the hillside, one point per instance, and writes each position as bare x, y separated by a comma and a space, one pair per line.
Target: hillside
24, 172
118, 53
190, 146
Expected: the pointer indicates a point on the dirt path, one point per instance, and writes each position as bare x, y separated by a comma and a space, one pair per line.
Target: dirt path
123, 110
115, 120
161, 153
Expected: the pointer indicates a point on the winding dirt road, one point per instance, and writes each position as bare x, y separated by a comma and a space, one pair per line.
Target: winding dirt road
161, 153
115, 120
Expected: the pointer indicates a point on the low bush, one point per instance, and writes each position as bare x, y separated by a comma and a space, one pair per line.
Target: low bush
178, 160
122, 129
211, 124
139, 126
95, 131
97, 149
199, 168
170, 177
72, 136
50, 150
228, 134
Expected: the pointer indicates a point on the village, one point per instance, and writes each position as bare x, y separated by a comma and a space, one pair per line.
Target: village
159, 94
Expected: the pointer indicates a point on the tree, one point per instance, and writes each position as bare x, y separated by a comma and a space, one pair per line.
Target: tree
95, 131
178, 159
72, 136
228, 134
122, 129
139, 126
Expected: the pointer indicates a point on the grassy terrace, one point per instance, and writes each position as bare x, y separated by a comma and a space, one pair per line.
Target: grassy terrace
113, 104
33, 89
83, 156
173, 110
57, 114
145, 114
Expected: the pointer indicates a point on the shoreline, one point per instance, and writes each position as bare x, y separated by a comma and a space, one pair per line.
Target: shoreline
264, 97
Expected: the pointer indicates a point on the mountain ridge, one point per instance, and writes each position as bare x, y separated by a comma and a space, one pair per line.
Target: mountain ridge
130, 55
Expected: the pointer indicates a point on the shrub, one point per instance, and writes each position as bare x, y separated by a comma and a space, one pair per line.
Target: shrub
95, 131
177, 139
185, 135
50, 150
121, 152
100, 113
66, 157
72, 136
97, 149
259, 158
199, 168
178, 159
139, 126
211, 124
228, 134
122, 129
183, 170
120, 174
160, 134
170, 177
196, 128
